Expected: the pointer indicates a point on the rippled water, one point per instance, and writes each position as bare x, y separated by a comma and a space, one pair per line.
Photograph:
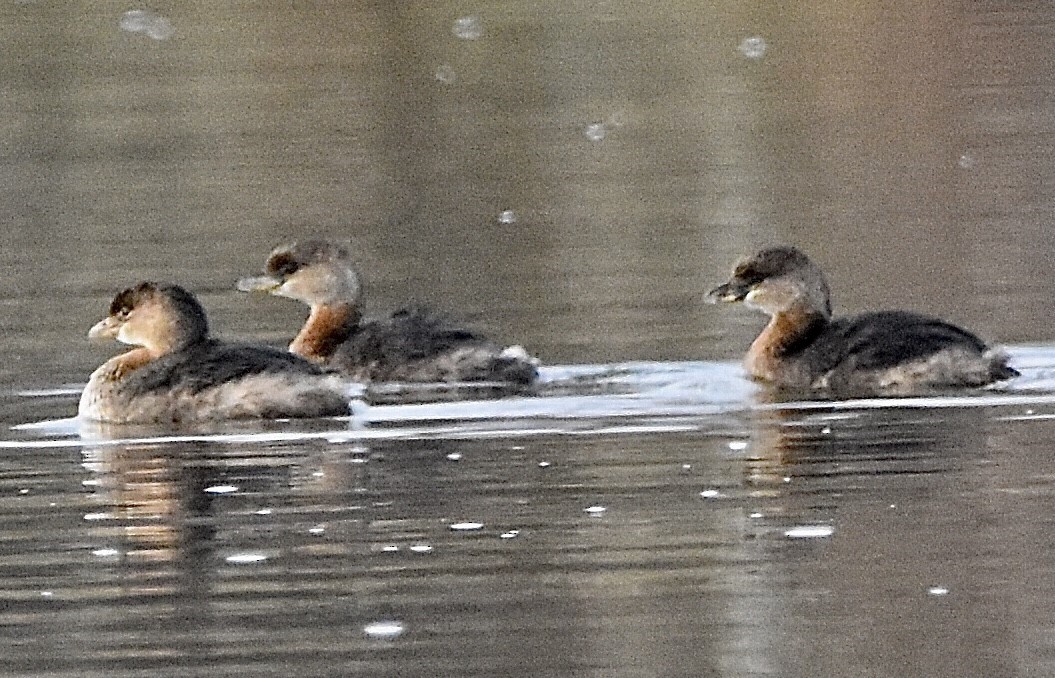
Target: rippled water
571, 178
632, 519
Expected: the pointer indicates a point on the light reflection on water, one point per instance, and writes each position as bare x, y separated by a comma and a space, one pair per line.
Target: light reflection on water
573, 178
703, 524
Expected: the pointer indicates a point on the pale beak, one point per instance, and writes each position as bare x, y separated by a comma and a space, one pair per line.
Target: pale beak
106, 328
259, 283
729, 292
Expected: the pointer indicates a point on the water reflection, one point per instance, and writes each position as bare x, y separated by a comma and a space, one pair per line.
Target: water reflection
574, 179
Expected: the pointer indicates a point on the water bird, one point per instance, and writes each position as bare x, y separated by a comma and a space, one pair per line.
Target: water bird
177, 373
410, 345
883, 352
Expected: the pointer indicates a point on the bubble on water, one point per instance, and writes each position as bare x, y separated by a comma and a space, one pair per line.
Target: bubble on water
737, 445
389, 548
468, 28
148, 23
384, 630
318, 529
507, 217
47, 594
753, 47
710, 494
755, 515
446, 74
221, 489
509, 535
246, 558
809, 532
937, 591
787, 479
826, 430
454, 456
466, 527
420, 548
543, 464
686, 467
596, 131
966, 161
23, 491
595, 510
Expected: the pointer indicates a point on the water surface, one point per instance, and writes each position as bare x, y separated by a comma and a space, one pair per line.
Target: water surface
572, 178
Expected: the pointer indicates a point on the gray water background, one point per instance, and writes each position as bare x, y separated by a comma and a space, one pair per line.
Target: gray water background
572, 177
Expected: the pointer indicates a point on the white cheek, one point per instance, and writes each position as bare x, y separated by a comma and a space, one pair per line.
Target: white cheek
125, 336
751, 300
287, 290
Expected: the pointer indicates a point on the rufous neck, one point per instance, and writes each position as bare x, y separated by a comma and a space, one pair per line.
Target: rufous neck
327, 327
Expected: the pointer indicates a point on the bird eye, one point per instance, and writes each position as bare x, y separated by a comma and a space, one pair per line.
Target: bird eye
124, 313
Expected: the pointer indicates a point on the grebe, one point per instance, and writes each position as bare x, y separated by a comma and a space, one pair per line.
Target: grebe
410, 345
885, 352
177, 373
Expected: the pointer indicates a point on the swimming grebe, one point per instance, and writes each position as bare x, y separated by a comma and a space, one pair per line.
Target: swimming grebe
411, 345
882, 352
177, 373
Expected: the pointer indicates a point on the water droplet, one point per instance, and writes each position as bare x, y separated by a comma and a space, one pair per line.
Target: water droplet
221, 489
385, 630
710, 494
596, 131
595, 510
446, 74
737, 445
466, 527
148, 23
468, 28
246, 558
809, 532
507, 217
753, 47
938, 591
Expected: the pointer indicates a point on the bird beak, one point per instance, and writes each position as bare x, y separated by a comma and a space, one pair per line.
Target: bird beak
729, 292
259, 283
106, 328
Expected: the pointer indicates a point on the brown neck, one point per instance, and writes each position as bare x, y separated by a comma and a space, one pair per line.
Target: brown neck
786, 334
327, 326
